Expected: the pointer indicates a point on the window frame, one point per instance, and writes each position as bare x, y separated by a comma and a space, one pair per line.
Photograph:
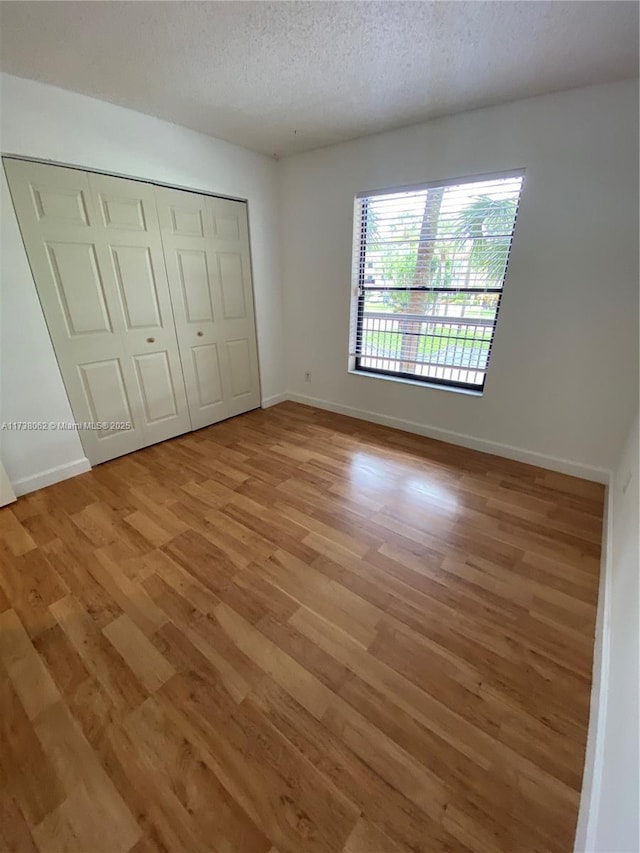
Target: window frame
359, 273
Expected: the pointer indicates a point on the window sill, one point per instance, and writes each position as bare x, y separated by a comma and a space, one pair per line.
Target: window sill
468, 392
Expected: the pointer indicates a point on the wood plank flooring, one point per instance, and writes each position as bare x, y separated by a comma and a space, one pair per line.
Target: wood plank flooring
294, 632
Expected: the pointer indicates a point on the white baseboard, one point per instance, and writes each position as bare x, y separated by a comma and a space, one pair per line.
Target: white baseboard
519, 454
51, 476
267, 402
585, 841
564, 466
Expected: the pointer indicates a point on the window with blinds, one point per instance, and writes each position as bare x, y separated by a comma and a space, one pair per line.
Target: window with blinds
429, 269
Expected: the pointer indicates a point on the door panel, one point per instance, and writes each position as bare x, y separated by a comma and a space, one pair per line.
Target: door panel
107, 399
232, 284
187, 218
74, 269
156, 386
207, 369
240, 366
94, 247
55, 205
206, 248
137, 286
226, 224
194, 278
125, 213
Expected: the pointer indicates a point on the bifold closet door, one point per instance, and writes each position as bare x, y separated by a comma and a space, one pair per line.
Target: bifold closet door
206, 246
95, 251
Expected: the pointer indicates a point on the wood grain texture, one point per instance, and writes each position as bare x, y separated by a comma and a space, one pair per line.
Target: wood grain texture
294, 632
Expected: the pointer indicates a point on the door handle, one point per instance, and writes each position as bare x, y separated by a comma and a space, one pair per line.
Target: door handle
151, 340
199, 334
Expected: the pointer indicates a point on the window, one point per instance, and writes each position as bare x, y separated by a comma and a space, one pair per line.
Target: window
429, 268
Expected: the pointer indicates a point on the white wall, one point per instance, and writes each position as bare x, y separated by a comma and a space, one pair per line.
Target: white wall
49, 123
609, 811
563, 378
617, 826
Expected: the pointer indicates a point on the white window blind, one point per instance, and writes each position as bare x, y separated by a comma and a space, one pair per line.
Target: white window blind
429, 268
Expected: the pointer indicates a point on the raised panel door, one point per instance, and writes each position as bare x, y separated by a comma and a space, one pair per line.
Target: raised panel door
94, 247
239, 351
193, 275
63, 236
135, 261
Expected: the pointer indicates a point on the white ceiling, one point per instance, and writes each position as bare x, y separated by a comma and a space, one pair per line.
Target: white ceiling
285, 77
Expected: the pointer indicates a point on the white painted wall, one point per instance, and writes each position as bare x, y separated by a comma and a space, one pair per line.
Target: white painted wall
618, 818
610, 808
563, 379
46, 122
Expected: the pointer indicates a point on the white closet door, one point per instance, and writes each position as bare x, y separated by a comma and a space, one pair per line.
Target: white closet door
94, 248
206, 245
7, 495
134, 260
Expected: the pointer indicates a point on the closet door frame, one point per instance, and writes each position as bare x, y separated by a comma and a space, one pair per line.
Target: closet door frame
88, 171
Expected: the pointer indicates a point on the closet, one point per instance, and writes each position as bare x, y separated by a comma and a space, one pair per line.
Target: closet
148, 299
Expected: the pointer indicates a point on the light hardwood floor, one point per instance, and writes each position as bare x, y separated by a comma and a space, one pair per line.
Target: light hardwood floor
297, 632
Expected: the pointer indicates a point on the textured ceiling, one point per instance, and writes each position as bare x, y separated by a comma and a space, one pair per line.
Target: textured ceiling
291, 76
